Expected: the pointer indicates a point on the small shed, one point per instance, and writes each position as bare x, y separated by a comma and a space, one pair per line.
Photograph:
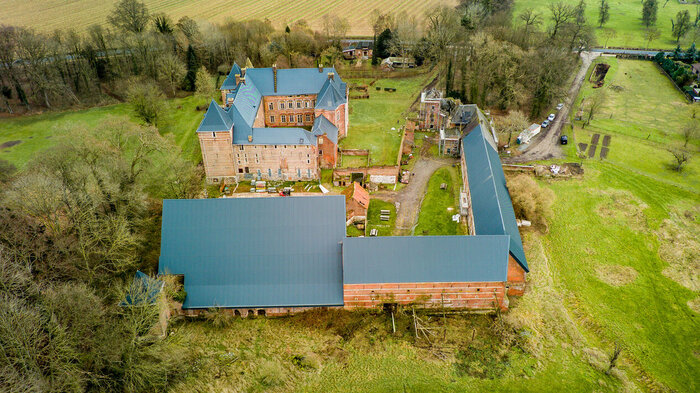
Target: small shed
356, 202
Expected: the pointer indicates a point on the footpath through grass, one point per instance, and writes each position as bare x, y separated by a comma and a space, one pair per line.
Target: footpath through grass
371, 120
625, 20
38, 132
439, 205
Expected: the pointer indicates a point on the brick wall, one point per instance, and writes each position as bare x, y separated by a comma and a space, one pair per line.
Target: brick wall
306, 111
516, 277
328, 155
217, 154
468, 295
276, 162
338, 117
430, 115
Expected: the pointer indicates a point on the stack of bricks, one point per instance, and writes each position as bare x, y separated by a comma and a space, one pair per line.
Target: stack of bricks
464, 295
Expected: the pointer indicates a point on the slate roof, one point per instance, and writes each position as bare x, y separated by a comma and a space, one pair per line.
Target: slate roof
230, 81
255, 252
490, 199
216, 119
408, 259
330, 95
290, 81
324, 126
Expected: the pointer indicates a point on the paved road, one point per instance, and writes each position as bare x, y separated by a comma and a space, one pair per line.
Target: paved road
637, 52
546, 145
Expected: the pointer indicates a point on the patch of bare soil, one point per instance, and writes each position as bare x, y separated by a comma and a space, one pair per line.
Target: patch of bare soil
694, 304
616, 275
9, 144
679, 245
622, 206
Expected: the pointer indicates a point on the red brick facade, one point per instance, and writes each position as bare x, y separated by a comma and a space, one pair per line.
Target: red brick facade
516, 277
464, 295
289, 111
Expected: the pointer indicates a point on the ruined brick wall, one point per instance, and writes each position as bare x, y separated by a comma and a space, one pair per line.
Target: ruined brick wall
276, 162
328, 152
275, 107
516, 277
466, 295
430, 115
217, 154
342, 176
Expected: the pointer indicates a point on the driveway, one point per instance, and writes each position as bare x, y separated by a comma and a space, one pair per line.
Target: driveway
546, 145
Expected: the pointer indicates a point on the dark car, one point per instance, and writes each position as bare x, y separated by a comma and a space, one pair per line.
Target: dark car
564, 139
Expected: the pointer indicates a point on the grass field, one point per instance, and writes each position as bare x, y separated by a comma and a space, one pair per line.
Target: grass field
79, 14
625, 19
439, 205
384, 228
372, 120
37, 132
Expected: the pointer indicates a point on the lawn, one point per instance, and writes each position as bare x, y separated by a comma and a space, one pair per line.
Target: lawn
644, 115
371, 120
384, 228
49, 15
439, 205
38, 132
625, 19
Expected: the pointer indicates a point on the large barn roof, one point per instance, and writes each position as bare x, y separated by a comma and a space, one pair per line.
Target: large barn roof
255, 252
410, 259
490, 199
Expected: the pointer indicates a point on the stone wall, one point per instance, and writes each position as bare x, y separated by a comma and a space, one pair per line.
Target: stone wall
465, 295
217, 155
276, 162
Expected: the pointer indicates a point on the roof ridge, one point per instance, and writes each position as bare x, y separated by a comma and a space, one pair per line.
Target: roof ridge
493, 180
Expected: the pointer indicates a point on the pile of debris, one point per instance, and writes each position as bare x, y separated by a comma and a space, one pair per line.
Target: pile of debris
568, 169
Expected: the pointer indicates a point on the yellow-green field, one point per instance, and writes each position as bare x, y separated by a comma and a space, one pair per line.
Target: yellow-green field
48, 15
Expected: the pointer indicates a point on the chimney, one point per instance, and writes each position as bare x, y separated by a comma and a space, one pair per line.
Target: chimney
238, 79
250, 138
242, 79
274, 75
243, 71
331, 75
320, 68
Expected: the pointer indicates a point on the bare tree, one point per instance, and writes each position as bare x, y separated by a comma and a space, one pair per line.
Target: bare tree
129, 16
514, 122
690, 132
594, 106
530, 18
335, 28
680, 157
651, 34
443, 26
404, 36
561, 14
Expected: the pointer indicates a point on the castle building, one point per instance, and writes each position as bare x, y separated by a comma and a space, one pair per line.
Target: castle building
276, 124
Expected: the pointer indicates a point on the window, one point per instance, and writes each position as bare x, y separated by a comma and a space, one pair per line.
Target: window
320, 140
269, 172
308, 172
240, 147
275, 146
240, 170
307, 104
213, 134
290, 104
308, 117
298, 104
271, 106
281, 104
284, 118
308, 161
320, 152
299, 118
298, 172
272, 119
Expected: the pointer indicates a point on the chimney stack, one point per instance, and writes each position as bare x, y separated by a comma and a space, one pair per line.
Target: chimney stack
274, 75
242, 79
238, 79
243, 71
250, 138
320, 68
331, 75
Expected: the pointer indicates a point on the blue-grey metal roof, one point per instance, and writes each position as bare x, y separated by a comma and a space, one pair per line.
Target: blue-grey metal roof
290, 81
324, 126
490, 200
280, 136
255, 252
215, 119
230, 81
404, 259
330, 97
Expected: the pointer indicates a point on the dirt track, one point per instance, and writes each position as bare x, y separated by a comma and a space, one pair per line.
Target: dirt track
546, 145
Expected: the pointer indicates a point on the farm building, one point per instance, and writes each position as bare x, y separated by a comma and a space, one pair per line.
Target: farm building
391, 63
359, 50
275, 125
356, 202
285, 254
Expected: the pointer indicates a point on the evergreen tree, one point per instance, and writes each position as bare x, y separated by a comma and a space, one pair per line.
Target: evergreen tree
382, 48
193, 65
375, 59
649, 11
603, 12
692, 53
448, 79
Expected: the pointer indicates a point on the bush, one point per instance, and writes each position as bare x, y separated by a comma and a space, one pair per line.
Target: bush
530, 201
270, 374
147, 101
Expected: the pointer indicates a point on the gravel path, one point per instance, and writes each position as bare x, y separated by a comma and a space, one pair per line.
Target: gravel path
546, 145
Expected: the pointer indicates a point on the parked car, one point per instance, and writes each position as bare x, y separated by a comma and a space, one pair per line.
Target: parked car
564, 139
551, 117
545, 124
559, 106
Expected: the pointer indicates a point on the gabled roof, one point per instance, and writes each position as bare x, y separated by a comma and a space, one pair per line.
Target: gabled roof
358, 193
255, 252
216, 119
330, 97
490, 200
409, 259
324, 126
247, 101
290, 81
230, 81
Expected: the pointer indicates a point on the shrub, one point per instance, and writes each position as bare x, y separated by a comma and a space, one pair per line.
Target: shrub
530, 201
270, 374
147, 101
